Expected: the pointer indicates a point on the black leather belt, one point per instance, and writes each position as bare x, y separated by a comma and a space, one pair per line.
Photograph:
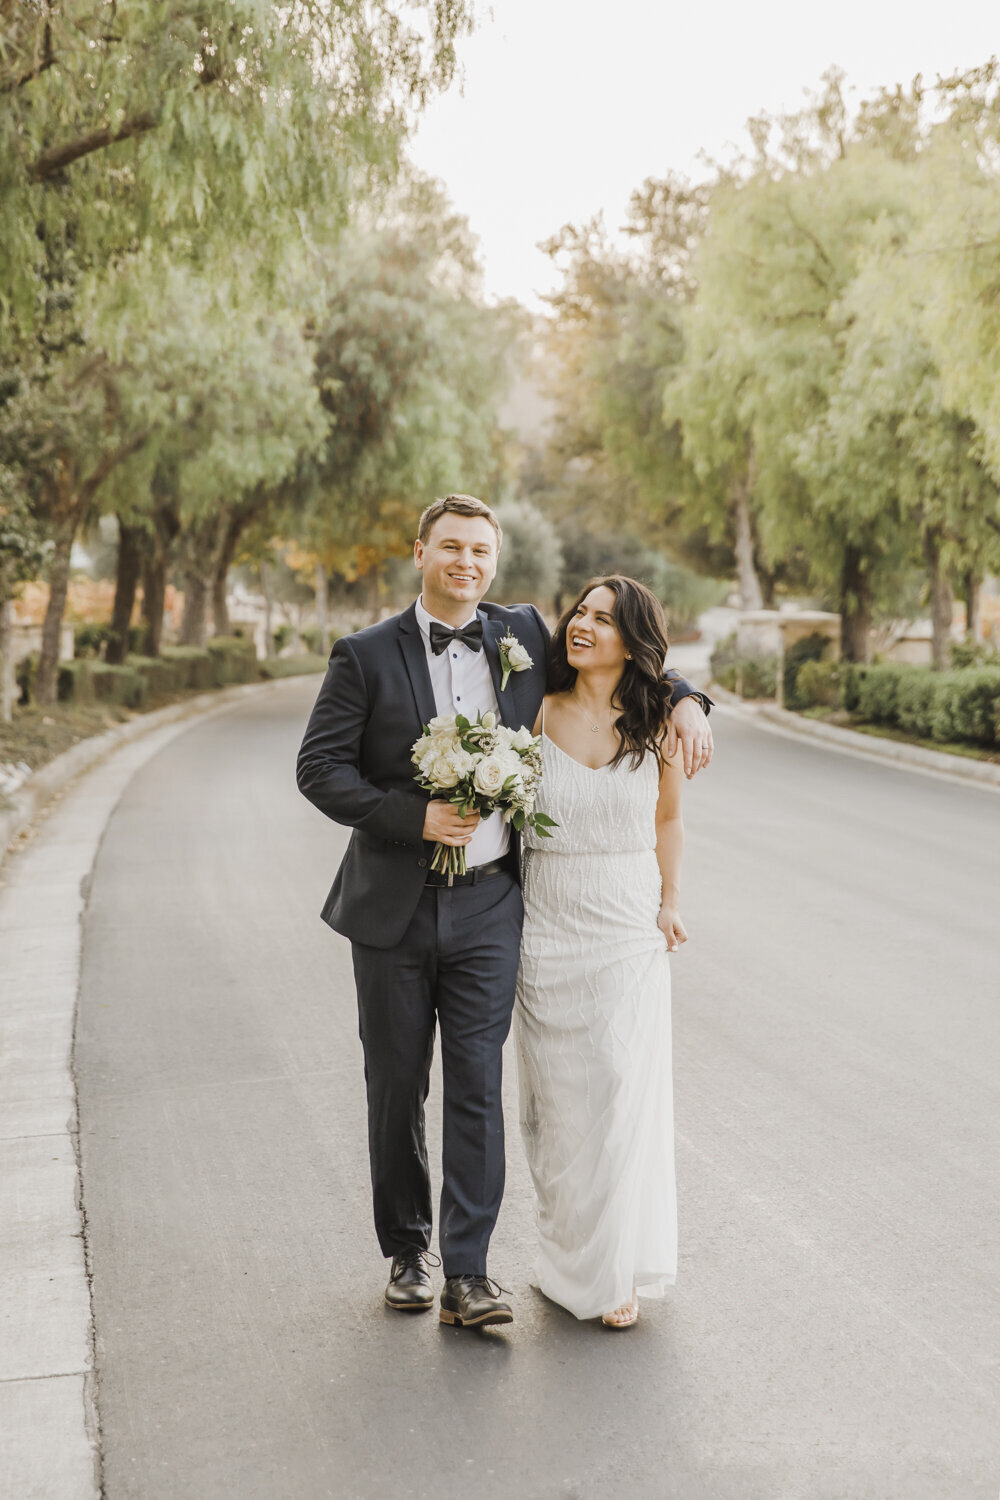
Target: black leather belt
505, 866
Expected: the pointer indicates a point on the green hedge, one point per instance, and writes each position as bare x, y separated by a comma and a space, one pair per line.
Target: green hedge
818, 684
752, 676
811, 648
946, 706
89, 681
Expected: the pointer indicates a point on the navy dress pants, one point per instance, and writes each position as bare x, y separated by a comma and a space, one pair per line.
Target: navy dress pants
456, 966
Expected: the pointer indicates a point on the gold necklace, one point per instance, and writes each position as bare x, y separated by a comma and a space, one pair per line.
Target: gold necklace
594, 728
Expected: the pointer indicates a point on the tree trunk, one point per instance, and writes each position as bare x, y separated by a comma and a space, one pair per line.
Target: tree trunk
166, 525
194, 625
268, 592
750, 590
47, 675
130, 546
941, 599
154, 599
322, 618
971, 583
228, 537
855, 606
7, 679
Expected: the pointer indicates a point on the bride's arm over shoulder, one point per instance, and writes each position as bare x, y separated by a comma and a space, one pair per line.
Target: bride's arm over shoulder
670, 847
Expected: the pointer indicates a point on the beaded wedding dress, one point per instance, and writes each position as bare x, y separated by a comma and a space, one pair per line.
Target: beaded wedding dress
593, 1039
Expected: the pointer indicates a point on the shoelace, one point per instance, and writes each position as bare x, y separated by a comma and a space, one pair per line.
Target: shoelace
487, 1283
407, 1258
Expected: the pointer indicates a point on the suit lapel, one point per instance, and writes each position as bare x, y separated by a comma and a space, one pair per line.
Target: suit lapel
493, 633
415, 656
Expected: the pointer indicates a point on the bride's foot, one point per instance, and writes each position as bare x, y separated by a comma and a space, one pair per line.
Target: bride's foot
624, 1316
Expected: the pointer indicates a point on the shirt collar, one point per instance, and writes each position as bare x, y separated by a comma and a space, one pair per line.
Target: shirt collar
425, 618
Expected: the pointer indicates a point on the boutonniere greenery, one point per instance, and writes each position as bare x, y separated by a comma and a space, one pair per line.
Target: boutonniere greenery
513, 658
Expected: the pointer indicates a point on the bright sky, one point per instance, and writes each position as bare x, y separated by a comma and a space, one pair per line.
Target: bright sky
569, 104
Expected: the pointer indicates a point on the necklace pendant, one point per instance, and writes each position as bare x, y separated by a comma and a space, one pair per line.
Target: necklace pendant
595, 728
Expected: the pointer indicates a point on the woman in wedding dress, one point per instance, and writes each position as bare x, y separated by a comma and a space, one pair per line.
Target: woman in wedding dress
593, 1011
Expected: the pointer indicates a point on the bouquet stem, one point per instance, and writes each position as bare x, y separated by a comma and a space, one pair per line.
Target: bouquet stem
449, 859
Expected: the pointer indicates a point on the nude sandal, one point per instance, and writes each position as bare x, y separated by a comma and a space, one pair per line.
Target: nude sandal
610, 1321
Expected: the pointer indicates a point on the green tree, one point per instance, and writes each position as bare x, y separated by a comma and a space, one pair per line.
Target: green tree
530, 563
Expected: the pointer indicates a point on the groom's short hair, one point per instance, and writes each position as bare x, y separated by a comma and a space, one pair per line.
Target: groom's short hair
457, 505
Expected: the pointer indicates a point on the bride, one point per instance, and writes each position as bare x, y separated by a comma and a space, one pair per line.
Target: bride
593, 1009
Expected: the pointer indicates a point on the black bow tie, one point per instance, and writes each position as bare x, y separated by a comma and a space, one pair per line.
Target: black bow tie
470, 635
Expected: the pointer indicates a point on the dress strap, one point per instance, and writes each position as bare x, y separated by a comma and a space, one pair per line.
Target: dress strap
542, 725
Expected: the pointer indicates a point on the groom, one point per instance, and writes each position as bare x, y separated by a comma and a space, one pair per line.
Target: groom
429, 949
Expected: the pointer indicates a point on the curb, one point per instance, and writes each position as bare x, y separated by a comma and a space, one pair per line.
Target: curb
896, 752
43, 785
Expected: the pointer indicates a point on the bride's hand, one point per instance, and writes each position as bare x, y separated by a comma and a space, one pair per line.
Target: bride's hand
670, 924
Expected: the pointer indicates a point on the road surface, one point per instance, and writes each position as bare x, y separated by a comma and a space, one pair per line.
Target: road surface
833, 1332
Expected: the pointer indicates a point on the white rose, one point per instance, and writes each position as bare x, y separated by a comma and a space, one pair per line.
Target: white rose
491, 773
425, 752
518, 657
461, 761
443, 773
489, 719
442, 724
521, 738
511, 762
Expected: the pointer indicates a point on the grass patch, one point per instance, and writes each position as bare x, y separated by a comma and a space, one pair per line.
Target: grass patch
844, 720
37, 735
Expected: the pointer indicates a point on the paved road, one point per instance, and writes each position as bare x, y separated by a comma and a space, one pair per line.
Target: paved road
834, 1330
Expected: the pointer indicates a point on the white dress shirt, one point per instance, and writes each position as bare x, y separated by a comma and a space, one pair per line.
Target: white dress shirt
460, 678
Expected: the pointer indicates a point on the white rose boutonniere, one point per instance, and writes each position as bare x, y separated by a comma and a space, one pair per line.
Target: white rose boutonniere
513, 658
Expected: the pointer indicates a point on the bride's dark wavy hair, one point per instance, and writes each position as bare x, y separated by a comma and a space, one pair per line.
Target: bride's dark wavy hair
643, 694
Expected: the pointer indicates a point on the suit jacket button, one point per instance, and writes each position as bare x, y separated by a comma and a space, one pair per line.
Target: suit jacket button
421, 863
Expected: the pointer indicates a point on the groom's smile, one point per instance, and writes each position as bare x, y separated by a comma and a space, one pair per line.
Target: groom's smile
458, 560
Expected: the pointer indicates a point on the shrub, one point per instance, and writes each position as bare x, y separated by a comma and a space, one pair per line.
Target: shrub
877, 694
966, 705
90, 640
818, 684
24, 676
233, 660
75, 681
751, 676
812, 648
194, 663
915, 698
758, 676
122, 685
852, 676
282, 635
161, 675
973, 654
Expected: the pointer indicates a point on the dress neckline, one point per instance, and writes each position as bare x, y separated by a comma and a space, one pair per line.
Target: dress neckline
582, 764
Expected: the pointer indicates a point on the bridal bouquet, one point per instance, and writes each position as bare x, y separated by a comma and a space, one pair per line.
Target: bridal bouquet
480, 765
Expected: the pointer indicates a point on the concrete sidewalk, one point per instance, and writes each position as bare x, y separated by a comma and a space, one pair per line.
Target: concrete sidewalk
49, 1440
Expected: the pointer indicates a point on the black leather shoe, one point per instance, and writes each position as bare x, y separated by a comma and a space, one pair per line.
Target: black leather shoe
473, 1301
409, 1287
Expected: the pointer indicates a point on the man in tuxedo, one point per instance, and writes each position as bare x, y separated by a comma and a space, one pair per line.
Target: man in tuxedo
431, 949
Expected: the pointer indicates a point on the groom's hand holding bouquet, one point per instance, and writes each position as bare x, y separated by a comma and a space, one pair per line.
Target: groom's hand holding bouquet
480, 766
